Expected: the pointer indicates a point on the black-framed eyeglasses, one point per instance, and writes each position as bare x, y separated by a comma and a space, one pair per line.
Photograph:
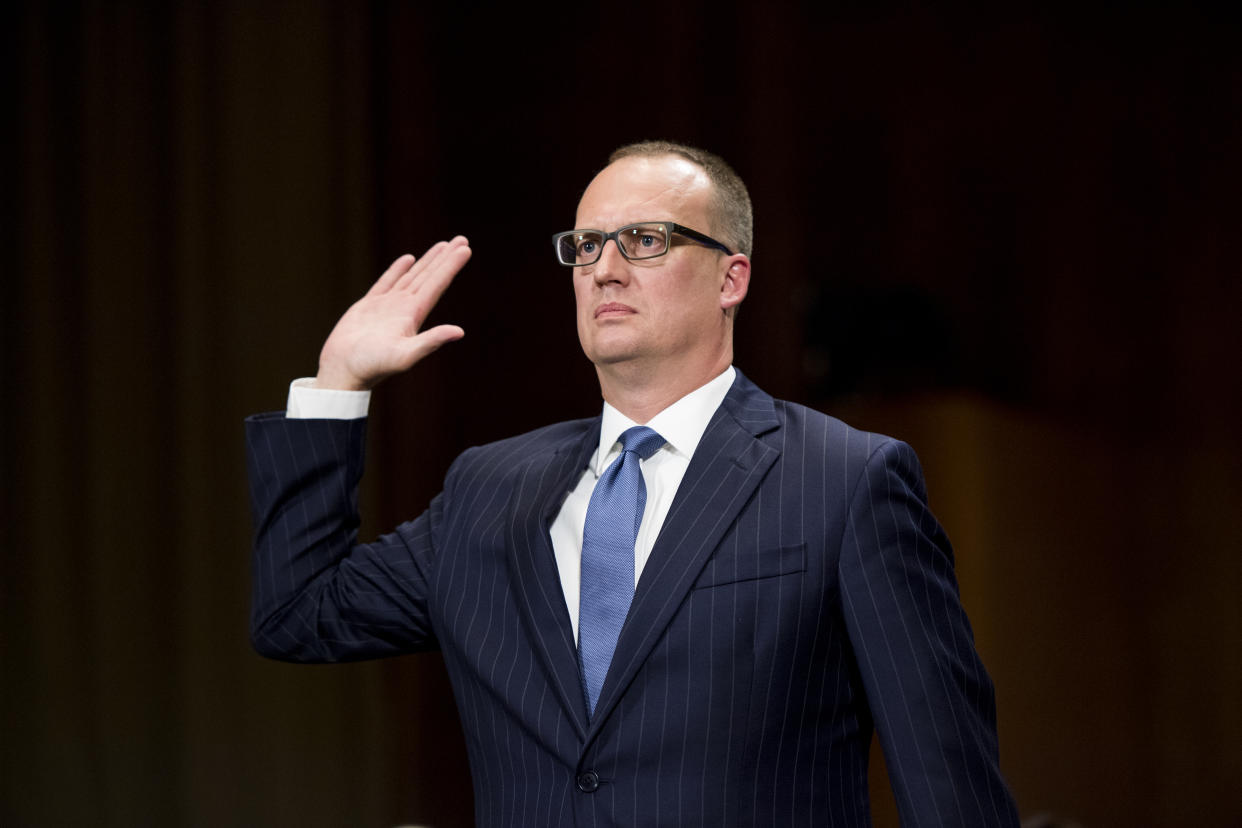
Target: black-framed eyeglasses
645, 240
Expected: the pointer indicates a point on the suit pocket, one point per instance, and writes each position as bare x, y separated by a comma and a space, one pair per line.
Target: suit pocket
751, 565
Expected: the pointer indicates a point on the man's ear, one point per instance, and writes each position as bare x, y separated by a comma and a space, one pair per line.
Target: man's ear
736, 281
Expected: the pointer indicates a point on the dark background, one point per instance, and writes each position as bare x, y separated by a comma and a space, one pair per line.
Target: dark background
1008, 238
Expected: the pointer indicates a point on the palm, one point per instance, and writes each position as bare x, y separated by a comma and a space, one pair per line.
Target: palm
381, 334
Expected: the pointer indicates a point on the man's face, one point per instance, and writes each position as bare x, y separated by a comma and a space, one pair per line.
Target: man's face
665, 311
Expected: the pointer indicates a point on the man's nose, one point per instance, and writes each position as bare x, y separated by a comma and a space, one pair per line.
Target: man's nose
612, 266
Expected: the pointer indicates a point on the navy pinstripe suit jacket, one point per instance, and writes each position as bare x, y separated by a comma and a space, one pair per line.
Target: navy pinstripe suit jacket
800, 593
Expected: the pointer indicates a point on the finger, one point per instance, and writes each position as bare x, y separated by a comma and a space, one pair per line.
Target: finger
400, 266
427, 260
436, 278
433, 261
430, 341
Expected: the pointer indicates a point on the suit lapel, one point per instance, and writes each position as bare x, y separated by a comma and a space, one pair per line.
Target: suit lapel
545, 481
727, 467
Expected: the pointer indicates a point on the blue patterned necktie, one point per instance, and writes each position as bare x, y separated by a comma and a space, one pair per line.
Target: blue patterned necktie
612, 519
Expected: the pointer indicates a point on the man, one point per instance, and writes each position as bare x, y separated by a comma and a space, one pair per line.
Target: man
691, 610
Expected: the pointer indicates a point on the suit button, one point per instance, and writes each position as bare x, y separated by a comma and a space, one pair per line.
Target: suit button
588, 781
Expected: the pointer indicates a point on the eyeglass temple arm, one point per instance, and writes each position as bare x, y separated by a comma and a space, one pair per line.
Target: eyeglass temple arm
701, 238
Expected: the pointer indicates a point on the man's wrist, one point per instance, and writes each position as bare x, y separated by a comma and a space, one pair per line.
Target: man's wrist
331, 380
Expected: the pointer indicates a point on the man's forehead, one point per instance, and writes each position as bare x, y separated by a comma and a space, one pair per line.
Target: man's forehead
664, 184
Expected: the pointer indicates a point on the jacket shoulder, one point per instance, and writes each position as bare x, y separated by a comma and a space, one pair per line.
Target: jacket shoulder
816, 430
794, 424
514, 451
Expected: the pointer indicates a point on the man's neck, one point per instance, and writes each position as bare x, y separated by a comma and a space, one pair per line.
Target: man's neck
642, 391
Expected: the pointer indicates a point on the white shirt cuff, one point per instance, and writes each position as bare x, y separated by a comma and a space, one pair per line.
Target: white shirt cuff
306, 402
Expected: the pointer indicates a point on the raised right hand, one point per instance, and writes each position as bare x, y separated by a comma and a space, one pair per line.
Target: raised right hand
380, 334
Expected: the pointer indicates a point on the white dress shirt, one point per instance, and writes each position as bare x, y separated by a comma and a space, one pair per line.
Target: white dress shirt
681, 424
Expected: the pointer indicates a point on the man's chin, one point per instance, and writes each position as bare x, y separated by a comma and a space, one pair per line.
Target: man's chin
612, 350
613, 358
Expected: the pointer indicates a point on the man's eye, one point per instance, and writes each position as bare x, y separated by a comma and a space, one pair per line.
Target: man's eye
648, 240
586, 247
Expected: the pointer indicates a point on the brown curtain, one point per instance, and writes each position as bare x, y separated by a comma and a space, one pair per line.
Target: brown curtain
1012, 240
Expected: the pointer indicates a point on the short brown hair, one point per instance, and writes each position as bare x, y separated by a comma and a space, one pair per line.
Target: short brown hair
730, 200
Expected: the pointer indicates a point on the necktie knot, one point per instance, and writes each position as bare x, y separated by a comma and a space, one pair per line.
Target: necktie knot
642, 441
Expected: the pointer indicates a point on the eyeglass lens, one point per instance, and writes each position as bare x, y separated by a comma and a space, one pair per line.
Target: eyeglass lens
637, 241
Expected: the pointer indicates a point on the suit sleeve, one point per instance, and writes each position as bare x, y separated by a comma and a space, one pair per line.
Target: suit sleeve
931, 699
318, 595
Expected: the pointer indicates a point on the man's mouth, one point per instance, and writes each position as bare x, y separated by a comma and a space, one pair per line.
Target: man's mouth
613, 309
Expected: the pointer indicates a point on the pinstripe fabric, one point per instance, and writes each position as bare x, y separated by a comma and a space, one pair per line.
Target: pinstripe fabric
800, 593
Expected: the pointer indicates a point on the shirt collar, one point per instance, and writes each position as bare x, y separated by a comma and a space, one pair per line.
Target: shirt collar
682, 424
